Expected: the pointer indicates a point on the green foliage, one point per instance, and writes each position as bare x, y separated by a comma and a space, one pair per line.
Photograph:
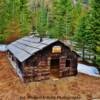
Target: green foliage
95, 27
2, 39
83, 36
42, 19
17, 11
62, 20
4, 15
88, 32
69, 18
24, 17
57, 22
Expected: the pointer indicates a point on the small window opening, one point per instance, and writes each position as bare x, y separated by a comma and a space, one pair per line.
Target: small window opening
67, 63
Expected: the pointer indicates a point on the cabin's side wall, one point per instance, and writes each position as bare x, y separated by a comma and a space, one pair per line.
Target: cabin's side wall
18, 68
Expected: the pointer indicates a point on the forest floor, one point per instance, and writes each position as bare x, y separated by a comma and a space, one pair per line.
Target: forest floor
80, 87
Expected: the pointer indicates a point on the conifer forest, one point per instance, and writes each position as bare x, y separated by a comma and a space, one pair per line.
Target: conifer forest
75, 20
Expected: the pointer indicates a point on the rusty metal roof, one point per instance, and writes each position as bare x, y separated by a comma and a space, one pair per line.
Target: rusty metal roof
25, 47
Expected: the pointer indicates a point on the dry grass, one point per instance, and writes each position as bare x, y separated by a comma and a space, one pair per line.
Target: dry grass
11, 88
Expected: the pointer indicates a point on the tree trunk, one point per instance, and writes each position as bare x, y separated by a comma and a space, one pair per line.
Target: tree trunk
83, 53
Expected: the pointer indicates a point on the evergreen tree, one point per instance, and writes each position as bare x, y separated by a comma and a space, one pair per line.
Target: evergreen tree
69, 18
6, 15
57, 22
42, 19
14, 11
83, 36
25, 17
95, 27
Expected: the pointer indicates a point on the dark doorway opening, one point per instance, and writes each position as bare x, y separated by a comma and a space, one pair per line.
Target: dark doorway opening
54, 63
67, 63
54, 67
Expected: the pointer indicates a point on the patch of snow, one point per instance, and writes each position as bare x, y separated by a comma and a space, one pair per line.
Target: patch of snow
3, 47
90, 70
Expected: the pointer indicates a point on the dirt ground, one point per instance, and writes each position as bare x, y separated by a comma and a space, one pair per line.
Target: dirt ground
80, 87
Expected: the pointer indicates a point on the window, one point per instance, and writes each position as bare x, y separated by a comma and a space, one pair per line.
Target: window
67, 63
56, 49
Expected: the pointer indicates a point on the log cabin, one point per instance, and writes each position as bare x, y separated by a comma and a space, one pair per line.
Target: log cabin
35, 58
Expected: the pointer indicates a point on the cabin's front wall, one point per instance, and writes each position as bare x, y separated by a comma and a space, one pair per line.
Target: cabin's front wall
43, 69
66, 54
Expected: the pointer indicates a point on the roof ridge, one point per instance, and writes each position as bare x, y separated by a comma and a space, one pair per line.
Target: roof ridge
27, 45
34, 41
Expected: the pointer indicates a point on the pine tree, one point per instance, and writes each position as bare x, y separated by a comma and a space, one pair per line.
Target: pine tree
84, 38
25, 17
69, 18
40, 17
95, 27
42, 21
57, 22
17, 11
6, 15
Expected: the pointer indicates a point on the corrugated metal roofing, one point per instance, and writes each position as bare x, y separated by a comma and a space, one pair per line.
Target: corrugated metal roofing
25, 47
20, 54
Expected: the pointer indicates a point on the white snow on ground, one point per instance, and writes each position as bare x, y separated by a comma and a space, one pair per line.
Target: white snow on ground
3, 47
90, 70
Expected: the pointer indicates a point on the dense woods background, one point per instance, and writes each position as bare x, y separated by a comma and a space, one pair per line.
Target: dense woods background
75, 20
